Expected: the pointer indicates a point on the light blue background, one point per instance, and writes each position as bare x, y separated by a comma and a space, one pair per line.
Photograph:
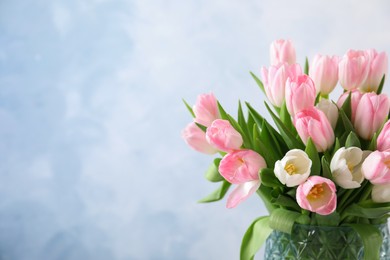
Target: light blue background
92, 165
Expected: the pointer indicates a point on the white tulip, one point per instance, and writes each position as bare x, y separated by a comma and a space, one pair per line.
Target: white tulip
294, 168
330, 110
346, 167
381, 193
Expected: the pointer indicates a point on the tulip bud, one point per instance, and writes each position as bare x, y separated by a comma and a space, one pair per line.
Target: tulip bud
274, 80
371, 113
242, 168
324, 72
378, 67
313, 123
376, 167
282, 51
383, 140
196, 139
206, 109
223, 136
353, 69
318, 195
356, 95
330, 110
300, 94
381, 193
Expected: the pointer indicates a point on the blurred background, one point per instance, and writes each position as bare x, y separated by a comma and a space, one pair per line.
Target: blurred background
92, 165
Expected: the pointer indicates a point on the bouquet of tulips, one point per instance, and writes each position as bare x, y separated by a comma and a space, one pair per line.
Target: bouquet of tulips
320, 162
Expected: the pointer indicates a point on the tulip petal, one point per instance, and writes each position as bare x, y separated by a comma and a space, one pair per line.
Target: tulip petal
241, 192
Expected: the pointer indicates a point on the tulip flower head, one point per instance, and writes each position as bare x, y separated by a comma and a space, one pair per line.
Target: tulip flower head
330, 110
376, 167
353, 69
324, 72
356, 95
282, 51
206, 109
381, 193
383, 140
222, 135
371, 114
242, 168
378, 68
196, 139
317, 194
274, 79
300, 94
346, 167
294, 168
313, 123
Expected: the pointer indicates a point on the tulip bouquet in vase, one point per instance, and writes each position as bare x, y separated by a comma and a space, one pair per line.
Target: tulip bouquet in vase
322, 168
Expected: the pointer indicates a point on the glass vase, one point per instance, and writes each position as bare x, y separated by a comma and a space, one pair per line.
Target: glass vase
321, 242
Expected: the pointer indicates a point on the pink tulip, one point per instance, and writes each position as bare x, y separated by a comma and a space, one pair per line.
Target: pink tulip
353, 69
206, 109
313, 123
383, 141
282, 51
378, 67
376, 167
274, 80
300, 94
371, 113
318, 195
196, 139
324, 71
223, 136
356, 95
242, 168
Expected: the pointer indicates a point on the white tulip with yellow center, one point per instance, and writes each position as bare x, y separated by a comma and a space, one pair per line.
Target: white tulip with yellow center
294, 168
346, 167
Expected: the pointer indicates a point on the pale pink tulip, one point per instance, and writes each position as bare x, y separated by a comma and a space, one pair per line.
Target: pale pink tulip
381, 193
206, 109
330, 110
318, 195
383, 141
353, 69
356, 95
242, 168
376, 167
274, 80
196, 139
300, 94
324, 72
223, 136
371, 113
313, 123
378, 67
282, 51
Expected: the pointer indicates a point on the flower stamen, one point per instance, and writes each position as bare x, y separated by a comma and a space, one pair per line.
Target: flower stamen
316, 191
290, 168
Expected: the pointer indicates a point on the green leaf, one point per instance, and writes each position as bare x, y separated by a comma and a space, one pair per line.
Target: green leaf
217, 194
258, 81
264, 193
222, 112
381, 84
287, 202
202, 127
346, 122
372, 145
332, 220
347, 105
306, 70
189, 108
291, 141
285, 117
269, 179
243, 124
367, 210
372, 240
326, 172
212, 173
268, 141
336, 146
311, 151
283, 220
352, 140
254, 238
255, 115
